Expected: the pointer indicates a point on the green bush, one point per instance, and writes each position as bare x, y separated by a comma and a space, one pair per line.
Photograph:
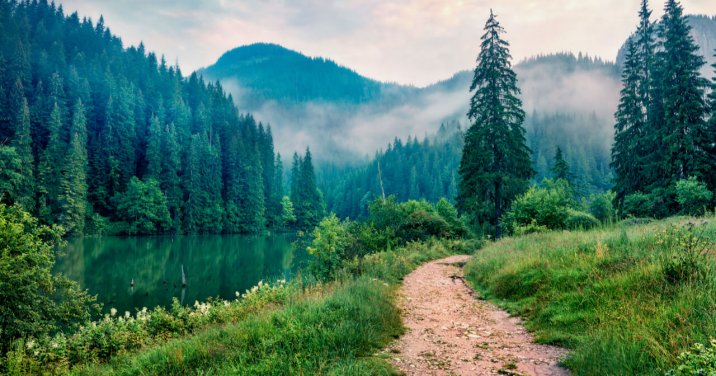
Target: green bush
601, 206
34, 302
638, 205
685, 258
531, 228
547, 206
577, 220
693, 196
328, 247
699, 360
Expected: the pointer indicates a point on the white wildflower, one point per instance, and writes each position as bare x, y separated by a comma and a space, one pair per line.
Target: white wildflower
113, 312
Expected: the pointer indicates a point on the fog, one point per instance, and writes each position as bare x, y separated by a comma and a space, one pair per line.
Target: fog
348, 132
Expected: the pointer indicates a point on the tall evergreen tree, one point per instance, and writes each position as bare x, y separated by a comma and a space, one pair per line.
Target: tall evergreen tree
711, 180
73, 185
307, 200
50, 169
154, 150
560, 168
684, 130
630, 130
496, 163
170, 181
22, 142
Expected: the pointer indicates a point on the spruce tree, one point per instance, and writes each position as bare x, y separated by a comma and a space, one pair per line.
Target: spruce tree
169, 181
640, 113
629, 130
154, 150
496, 163
684, 131
560, 168
22, 142
73, 185
711, 180
50, 169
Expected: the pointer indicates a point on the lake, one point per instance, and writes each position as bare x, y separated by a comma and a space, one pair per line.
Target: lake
214, 265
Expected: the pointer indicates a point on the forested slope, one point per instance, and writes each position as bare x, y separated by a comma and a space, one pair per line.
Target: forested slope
92, 132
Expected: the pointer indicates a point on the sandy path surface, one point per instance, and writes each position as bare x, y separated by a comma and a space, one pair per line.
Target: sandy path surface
451, 332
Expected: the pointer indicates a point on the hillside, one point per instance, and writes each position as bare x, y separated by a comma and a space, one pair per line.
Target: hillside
263, 72
100, 138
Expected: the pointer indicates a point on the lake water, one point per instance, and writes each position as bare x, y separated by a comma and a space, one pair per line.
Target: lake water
214, 265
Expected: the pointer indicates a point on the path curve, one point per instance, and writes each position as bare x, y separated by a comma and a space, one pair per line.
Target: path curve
451, 332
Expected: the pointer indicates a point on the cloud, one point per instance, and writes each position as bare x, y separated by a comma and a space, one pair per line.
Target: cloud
407, 41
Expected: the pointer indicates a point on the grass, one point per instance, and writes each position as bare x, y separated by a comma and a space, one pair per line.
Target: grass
334, 330
626, 299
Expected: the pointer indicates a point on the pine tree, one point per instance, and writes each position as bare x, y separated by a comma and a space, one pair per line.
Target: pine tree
496, 163
684, 131
73, 185
560, 169
22, 142
307, 200
170, 182
154, 150
50, 169
711, 180
629, 130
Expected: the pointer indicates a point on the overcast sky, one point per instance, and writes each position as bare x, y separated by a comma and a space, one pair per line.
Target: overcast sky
408, 41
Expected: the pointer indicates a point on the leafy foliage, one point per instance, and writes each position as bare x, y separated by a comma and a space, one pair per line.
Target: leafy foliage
693, 196
34, 301
548, 205
143, 208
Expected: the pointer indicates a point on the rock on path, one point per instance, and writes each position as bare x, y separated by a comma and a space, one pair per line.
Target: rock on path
451, 332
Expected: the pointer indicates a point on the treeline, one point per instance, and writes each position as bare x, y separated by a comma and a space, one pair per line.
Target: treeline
427, 169
99, 138
665, 133
583, 144
410, 170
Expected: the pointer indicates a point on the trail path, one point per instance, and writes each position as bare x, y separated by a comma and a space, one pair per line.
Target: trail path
451, 332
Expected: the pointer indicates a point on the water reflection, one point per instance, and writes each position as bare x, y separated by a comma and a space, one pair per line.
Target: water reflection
129, 273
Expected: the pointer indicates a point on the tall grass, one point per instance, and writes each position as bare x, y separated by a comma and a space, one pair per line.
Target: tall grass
626, 299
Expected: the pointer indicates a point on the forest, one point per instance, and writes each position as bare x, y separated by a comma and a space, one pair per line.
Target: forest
99, 138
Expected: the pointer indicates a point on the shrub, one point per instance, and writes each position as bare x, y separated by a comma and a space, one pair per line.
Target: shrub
328, 247
685, 257
34, 301
693, 196
531, 228
546, 206
699, 360
601, 207
638, 205
580, 220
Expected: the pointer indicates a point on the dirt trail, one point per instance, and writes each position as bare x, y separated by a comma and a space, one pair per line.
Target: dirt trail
451, 332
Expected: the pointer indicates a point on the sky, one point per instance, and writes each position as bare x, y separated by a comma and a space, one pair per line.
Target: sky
414, 42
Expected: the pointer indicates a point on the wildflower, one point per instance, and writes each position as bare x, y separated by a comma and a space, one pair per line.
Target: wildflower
30, 344
113, 312
127, 314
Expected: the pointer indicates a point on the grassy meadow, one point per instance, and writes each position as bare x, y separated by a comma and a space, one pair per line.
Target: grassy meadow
626, 299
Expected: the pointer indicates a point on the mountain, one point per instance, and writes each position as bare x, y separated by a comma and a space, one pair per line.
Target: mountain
703, 29
269, 72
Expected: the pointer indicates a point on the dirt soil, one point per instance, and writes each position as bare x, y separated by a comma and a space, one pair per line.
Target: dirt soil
451, 332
